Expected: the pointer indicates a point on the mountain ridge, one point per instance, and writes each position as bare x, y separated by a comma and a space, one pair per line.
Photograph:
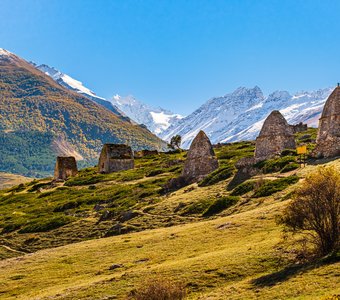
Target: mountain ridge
36, 111
239, 115
156, 119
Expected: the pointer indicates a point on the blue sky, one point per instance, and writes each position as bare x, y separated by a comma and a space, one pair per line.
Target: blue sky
179, 53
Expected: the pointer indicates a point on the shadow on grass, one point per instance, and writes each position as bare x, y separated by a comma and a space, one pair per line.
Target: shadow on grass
321, 161
291, 271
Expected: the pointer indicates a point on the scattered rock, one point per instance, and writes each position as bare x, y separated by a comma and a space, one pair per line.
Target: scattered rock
141, 260
115, 266
127, 215
98, 207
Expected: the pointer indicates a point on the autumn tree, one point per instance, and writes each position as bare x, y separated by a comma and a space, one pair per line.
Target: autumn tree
315, 211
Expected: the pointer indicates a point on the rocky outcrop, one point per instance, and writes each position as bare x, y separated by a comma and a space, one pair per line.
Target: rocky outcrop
276, 135
115, 157
65, 167
328, 139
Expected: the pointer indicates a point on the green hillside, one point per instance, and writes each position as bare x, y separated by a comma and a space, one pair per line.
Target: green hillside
40, 119
221, 243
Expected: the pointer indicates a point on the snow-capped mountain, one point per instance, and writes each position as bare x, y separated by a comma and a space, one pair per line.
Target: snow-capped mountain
240, 115
155, 119
4, 52
77, 86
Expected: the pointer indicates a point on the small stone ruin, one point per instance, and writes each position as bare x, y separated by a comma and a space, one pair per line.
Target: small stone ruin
65, 167
115, 157
145, 152
328, 139
201, 159
200, 162
299, 127
276, 135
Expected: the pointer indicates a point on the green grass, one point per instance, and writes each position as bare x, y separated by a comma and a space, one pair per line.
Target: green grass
276, 164
218, 175
183, 236
243, 188
234, 257
220, 204
273, 186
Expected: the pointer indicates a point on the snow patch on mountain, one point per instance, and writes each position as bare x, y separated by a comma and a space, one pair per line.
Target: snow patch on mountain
156, 120
4, 52
240, 115
77, 86
67, 81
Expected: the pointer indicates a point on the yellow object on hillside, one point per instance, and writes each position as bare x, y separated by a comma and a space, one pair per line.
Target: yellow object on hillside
301, 149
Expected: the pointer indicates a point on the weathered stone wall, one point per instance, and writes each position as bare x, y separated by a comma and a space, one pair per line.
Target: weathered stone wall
275, 136
299, 127
65, 167
115, 157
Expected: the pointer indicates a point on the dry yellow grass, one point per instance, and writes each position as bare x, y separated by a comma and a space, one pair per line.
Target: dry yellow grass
229, 257
8, 180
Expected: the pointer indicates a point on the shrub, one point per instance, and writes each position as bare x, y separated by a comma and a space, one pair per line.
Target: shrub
270, 187
18, 188
243, 188
290, 167
275, 165
155, 172
220, 204
38, 186
158, 289
42, 225
84, 180
288, 152
197, 207
217, 176
315, 211
67, 205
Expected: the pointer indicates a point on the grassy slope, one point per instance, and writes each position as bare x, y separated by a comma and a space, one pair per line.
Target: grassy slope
234, 255
224, 258
84, 201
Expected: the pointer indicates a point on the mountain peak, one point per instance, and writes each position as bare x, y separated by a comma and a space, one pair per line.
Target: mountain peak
4, 52
244, 91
